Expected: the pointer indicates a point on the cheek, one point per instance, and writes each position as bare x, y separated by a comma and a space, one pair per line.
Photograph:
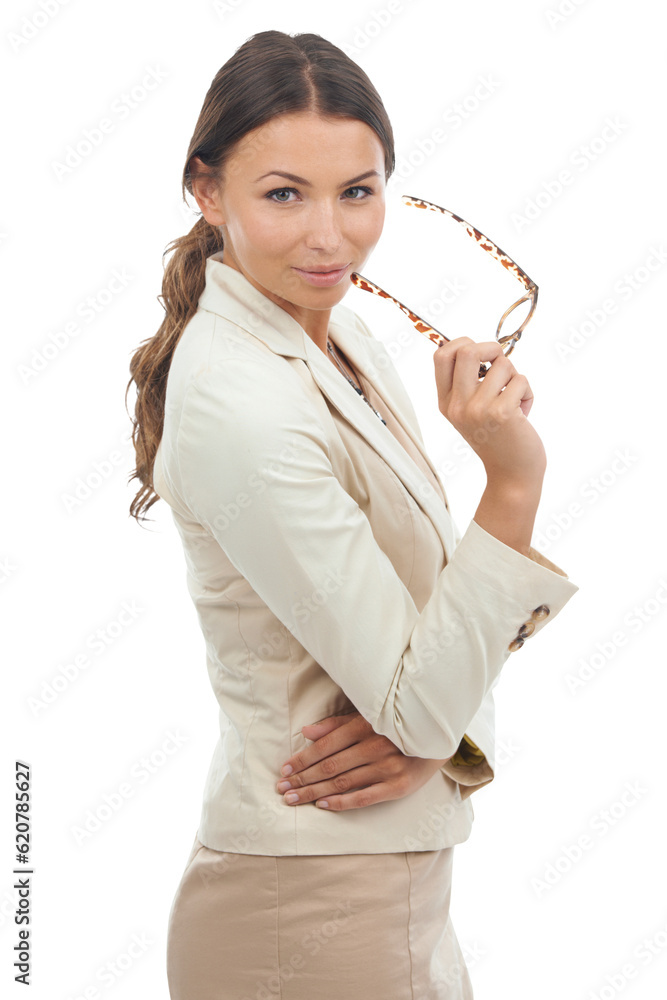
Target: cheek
370, 227
263, 235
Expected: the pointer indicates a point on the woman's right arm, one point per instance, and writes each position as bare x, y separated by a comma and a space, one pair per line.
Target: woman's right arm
249, 459
491, 414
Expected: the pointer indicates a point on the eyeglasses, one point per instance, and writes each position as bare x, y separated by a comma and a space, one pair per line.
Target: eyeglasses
508, 340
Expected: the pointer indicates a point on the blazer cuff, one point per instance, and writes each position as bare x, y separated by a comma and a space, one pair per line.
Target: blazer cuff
491, 561
473, 764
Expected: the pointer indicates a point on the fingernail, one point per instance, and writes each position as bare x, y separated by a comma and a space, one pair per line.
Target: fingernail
284, 785
291, 797
323, 804
287, 769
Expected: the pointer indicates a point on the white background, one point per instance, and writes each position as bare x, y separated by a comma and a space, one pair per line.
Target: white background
540, 925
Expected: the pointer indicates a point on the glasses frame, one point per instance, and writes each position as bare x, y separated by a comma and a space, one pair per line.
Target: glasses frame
508, 341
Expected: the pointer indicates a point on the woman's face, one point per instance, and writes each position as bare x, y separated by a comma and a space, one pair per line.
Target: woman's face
328, 215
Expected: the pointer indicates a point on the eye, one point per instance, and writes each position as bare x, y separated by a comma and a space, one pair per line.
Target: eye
281, 201
357, 188
273, 195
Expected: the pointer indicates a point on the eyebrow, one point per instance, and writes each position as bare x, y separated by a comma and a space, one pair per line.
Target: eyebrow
302, 180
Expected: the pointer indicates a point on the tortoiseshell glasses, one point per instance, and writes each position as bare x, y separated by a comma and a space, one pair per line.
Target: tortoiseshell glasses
509, 340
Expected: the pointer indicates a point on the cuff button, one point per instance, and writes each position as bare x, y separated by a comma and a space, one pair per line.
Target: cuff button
515, 644
539, 614
526, 629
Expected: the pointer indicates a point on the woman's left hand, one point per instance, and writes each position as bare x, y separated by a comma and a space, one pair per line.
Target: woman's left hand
350, 766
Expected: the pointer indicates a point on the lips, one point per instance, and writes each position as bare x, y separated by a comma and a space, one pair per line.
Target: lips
322, 270
323, 278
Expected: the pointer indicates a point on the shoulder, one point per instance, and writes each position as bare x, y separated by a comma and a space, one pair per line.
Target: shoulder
208, 339
245, 424
246, 407
247, 386
217, 359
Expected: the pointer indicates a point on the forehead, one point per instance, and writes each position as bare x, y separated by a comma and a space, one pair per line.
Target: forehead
289, 139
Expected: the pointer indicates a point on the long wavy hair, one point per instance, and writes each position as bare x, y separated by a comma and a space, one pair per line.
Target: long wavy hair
271, 74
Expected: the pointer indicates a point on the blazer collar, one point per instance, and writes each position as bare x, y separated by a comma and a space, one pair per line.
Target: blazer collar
228, 293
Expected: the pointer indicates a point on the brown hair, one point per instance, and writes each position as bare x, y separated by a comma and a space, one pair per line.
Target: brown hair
272, 73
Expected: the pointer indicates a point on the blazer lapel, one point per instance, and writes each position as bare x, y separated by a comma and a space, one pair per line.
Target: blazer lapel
368, 357
229, 294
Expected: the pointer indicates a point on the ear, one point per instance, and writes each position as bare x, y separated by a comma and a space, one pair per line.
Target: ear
206, 192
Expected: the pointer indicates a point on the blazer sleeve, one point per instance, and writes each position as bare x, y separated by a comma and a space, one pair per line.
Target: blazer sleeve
474, 763
251, 463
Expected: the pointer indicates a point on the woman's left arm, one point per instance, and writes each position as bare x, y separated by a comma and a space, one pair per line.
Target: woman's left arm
350, 765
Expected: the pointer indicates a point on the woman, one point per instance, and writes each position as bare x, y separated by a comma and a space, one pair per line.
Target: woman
330, 581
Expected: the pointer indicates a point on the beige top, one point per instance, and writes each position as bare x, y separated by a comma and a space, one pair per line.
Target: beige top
328, 575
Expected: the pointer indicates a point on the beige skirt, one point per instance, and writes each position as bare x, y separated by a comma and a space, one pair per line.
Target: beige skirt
315, 927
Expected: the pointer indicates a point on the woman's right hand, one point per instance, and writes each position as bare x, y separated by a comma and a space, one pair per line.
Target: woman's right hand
491, 413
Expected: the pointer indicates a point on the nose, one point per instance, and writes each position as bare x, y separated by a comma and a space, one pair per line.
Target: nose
324, 231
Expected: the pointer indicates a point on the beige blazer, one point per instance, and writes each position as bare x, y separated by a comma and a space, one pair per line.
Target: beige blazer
328, 575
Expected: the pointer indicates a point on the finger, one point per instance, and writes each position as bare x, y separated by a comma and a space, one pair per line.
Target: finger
523, 389
319, 729
368, 751
496, 378
332, 721
444, 359
358, 799
352, 780
372, 750
465, 377
517, 393
348, 781
342, 736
